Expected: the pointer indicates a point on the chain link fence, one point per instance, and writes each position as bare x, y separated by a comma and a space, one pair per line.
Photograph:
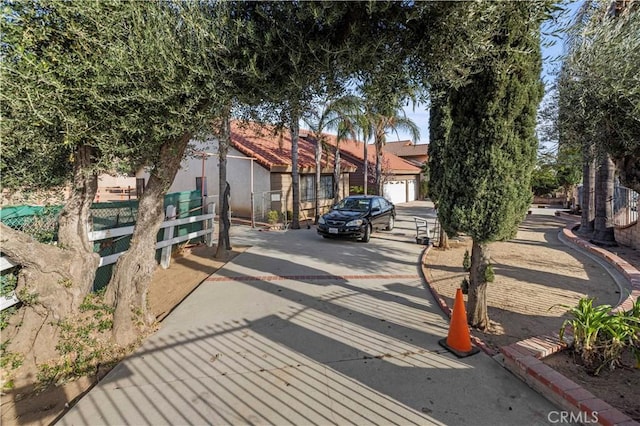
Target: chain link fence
42, 224
38, 221
270, 207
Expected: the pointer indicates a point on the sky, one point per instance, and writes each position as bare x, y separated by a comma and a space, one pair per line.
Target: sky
552, 47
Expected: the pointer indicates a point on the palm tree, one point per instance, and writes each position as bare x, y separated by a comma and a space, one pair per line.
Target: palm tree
339, 115
346, 126
392, 118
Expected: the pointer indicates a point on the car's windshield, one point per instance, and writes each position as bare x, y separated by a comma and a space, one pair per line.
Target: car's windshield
353, 204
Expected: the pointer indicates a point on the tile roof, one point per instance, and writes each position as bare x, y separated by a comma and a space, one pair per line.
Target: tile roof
355, 149
407, 148
272, 149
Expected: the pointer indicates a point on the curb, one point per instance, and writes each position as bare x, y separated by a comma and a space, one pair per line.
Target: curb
625, 268
524, 358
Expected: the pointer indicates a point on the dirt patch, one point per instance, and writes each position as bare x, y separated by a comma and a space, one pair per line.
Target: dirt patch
168, 288
536, 272
188, 269
619, 387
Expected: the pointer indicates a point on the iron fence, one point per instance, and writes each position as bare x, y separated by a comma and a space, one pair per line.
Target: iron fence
625, 206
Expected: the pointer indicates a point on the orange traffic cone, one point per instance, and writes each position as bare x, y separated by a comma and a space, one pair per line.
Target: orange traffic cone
458, 340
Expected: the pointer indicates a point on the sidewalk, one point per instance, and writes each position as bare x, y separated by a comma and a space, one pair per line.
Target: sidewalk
300, 330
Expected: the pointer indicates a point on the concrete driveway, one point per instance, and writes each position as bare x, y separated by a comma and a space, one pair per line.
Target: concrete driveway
302, 330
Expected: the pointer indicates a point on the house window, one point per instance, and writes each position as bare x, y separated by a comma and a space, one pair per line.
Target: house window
307, 186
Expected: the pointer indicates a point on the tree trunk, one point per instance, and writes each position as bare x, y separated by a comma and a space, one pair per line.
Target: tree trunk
588, 189
52, 284
295, 174
443, 239
603, 224
224, 227
127, 290
316, 190
477, 314
336, 175
54, 280
366, 166
379, 143
225, 220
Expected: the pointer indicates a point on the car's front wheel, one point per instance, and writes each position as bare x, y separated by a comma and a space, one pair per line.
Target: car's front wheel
367, 234
391, 223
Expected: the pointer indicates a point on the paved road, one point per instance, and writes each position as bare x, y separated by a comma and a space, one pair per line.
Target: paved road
302, 330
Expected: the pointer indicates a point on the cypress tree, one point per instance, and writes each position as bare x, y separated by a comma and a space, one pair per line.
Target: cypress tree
486, 157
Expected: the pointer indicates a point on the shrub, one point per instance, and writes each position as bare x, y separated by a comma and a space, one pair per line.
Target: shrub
9, 363
634, 315
84, 345
464, 286
8, 283
601, 337
466, 261
272, 217
359, 189
489, 274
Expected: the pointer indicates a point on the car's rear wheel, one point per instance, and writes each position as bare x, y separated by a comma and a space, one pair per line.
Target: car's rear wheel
367, 234
391, 223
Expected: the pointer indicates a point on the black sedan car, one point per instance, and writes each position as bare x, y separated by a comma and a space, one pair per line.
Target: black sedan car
357, 217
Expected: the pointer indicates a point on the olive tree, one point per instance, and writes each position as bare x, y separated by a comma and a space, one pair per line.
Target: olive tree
600, 103
603, 63
98, 85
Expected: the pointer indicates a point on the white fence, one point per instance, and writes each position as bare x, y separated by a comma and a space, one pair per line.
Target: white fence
166, 245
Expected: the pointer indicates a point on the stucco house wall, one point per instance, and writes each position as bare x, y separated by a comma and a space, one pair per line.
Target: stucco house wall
282, 183
239, 176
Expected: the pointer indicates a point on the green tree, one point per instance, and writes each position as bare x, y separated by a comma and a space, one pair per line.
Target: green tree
384, 119
486, 156
565, 158
338, 115
247, 72
568, 169
347, 126
601, 104
575, 124
439, 128
99, 84
544, 179
305, 46
603, 62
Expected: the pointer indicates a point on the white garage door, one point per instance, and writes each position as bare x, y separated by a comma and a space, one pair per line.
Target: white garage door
396, 191
411, 185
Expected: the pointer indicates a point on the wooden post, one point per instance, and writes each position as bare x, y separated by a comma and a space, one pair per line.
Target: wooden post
209, 224
165, 257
